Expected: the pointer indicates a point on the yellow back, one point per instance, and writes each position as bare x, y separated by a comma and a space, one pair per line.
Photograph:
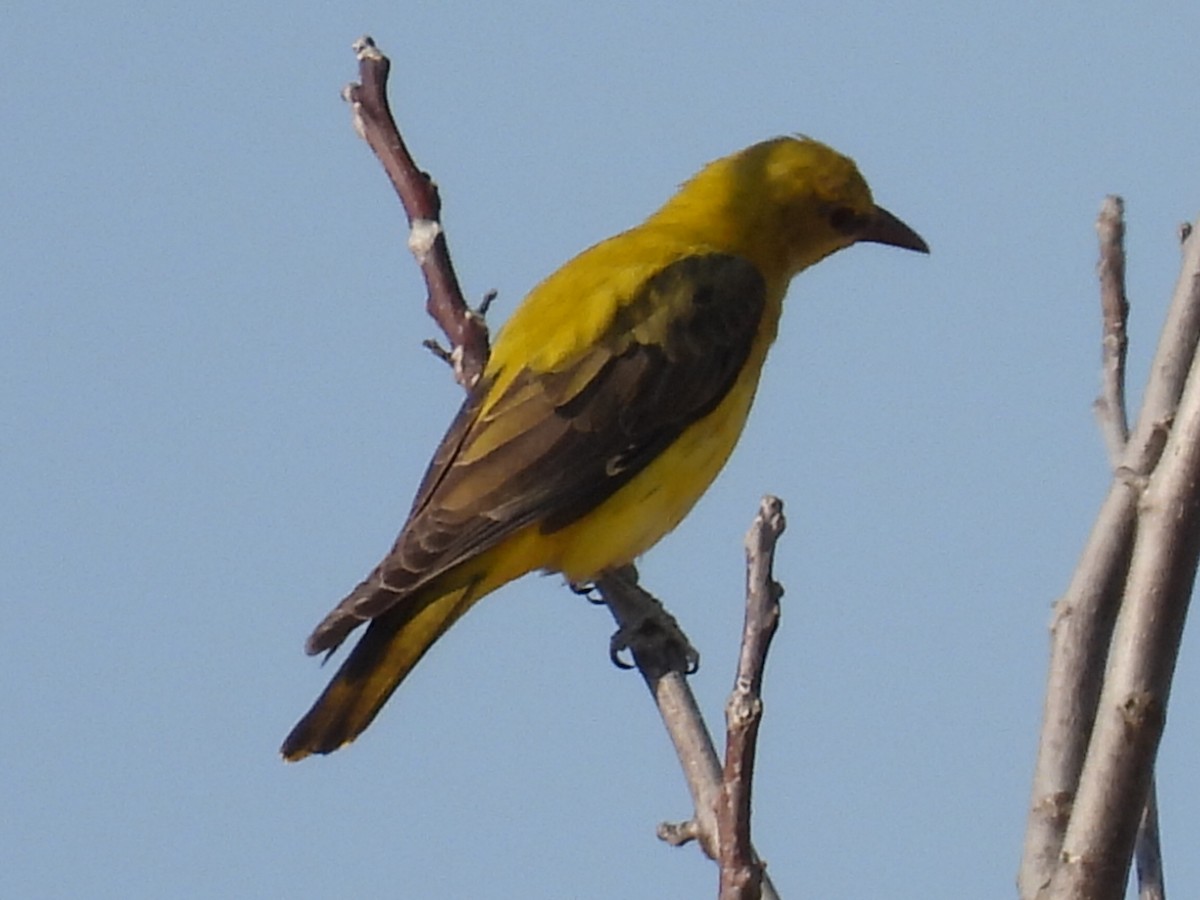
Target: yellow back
773, 203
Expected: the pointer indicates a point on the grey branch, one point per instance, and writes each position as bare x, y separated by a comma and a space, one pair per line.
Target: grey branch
1145, 645
664, 659
1113, 417
1114, 306
1131, 586
664, 668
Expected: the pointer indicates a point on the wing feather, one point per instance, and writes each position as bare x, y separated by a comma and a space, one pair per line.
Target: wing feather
555, 445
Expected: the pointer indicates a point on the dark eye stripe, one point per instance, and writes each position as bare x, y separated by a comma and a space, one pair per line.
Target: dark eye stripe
846, 220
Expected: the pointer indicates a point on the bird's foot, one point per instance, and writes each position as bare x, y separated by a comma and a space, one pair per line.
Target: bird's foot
653, 635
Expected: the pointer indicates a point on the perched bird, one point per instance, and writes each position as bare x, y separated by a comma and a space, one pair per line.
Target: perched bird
612, 398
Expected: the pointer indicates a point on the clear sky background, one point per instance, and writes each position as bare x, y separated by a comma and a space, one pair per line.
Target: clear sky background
215, 409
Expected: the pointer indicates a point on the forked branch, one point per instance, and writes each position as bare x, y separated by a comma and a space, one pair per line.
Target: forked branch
1116, 632
663, 664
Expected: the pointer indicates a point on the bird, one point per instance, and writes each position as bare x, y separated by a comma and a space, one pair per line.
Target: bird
612, 398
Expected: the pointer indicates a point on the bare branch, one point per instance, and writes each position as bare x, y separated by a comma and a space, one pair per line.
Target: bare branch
1111, 412
1112, 785
664, 658
659, 649
741, 870
664, 672
463, 327
664, 665
1147, 851
1132, 711
1114, 305
1085, 615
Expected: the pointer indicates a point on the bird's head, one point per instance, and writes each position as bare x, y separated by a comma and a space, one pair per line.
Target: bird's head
787, 203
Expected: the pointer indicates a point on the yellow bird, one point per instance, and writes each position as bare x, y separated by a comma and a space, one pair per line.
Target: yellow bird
613, 396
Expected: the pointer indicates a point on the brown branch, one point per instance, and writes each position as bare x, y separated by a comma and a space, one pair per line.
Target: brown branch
464, 328
1084, 617
1114, 305
660, 651
741, 869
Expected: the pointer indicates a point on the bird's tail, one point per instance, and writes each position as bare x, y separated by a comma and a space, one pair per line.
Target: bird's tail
383, 656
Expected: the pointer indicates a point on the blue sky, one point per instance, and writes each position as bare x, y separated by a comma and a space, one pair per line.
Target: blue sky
215, 409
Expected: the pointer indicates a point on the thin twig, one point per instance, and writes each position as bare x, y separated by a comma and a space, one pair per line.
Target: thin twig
741, 869
1114, 306
463, 327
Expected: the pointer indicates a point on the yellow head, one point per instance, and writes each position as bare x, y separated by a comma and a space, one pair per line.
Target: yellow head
785, 204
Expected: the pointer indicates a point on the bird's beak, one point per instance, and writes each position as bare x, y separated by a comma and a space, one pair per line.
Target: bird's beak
884, 228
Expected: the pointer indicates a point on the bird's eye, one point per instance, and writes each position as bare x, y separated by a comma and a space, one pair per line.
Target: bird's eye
845, 220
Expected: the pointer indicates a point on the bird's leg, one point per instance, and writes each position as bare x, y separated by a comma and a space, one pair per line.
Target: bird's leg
645, 628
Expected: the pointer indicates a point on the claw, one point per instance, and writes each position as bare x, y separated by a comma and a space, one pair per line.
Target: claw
656, 636
617, 644
585, 590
